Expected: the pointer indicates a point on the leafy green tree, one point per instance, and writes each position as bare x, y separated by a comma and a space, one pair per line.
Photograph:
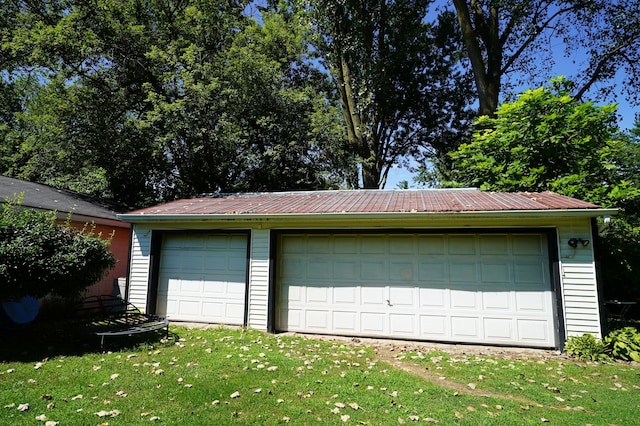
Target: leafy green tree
39, 257
143, 102
546, 140
508, 40
401, 91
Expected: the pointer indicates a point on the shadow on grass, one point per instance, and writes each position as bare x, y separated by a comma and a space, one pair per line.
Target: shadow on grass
45, 338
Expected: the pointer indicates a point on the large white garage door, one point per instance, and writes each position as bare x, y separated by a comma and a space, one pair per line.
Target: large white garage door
479, 288
202, 278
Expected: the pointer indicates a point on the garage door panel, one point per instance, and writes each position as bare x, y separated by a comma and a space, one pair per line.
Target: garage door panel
450, 287
499, 329
317, 295
403, 325
373, 323
403, 296
528, 245
464, 299
433, 272
498, 301
345, 321
346, 270
374, 270
494, 245
434, 327
434, 298
496, 272
317, 320
532, 301
203, 278
462, 272
344, 294
533, 331
373, 296
465, 328
461, 245
401, 271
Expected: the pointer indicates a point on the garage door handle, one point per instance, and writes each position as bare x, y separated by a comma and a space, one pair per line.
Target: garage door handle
388, 302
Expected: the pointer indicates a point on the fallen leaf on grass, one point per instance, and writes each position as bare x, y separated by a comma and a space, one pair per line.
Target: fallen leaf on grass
235, 395
114, 376
77, 397
354, 406
339, 405
470, 408
431, 420
471, 385
41, 418
458, 415
345, 418
286, 419
543, 420
51, 423
335, 410
112, 413
23, 407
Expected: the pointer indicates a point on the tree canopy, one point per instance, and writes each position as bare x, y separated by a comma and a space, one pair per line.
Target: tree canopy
546, 140
401, 90
511, 42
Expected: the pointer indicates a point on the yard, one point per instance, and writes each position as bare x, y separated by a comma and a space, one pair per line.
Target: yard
234, 376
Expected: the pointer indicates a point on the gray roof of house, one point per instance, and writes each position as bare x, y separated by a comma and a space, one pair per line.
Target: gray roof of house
46, 197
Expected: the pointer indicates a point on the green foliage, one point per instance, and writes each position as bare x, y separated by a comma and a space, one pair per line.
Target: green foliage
624, 344
40, 257
547, 140
586, 348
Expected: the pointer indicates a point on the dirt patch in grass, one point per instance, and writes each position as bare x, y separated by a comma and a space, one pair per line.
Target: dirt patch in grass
392, 352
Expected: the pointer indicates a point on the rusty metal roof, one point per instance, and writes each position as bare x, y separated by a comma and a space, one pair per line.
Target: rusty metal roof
363, 201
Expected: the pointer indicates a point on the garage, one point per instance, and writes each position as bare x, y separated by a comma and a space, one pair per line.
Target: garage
448, 265
202, 277
490, 288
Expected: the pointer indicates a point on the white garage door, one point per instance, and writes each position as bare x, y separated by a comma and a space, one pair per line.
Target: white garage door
478, 288
202, 278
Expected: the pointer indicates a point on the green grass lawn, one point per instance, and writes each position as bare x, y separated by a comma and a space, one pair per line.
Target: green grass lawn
228, 376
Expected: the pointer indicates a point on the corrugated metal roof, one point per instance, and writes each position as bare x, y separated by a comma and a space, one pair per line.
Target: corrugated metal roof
365, 201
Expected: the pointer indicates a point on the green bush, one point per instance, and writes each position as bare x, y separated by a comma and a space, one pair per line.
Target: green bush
40, 257
624, 344
586, 347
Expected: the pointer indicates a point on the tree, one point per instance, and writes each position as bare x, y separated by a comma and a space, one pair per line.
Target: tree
141, 102
395, 74
546, 140
39, 257
507, 39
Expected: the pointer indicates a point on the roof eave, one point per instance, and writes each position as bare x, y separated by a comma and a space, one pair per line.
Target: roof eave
160, 218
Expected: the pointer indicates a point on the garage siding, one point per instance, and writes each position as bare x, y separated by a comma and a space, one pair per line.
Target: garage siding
579, 285
139, 269
259, 279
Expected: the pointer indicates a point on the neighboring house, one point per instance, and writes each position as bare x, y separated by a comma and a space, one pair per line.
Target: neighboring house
81, 210
455, 265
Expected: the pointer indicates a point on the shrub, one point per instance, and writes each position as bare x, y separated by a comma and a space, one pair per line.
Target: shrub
40, 257
586, 347
624, 344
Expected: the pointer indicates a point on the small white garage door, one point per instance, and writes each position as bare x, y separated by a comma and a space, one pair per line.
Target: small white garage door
202, 278
476, 288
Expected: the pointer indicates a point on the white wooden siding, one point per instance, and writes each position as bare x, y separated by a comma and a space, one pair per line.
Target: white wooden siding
578, 279
259, 279
139, 270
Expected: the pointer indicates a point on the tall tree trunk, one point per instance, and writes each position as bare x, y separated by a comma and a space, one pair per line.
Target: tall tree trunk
357, 138
487, 75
